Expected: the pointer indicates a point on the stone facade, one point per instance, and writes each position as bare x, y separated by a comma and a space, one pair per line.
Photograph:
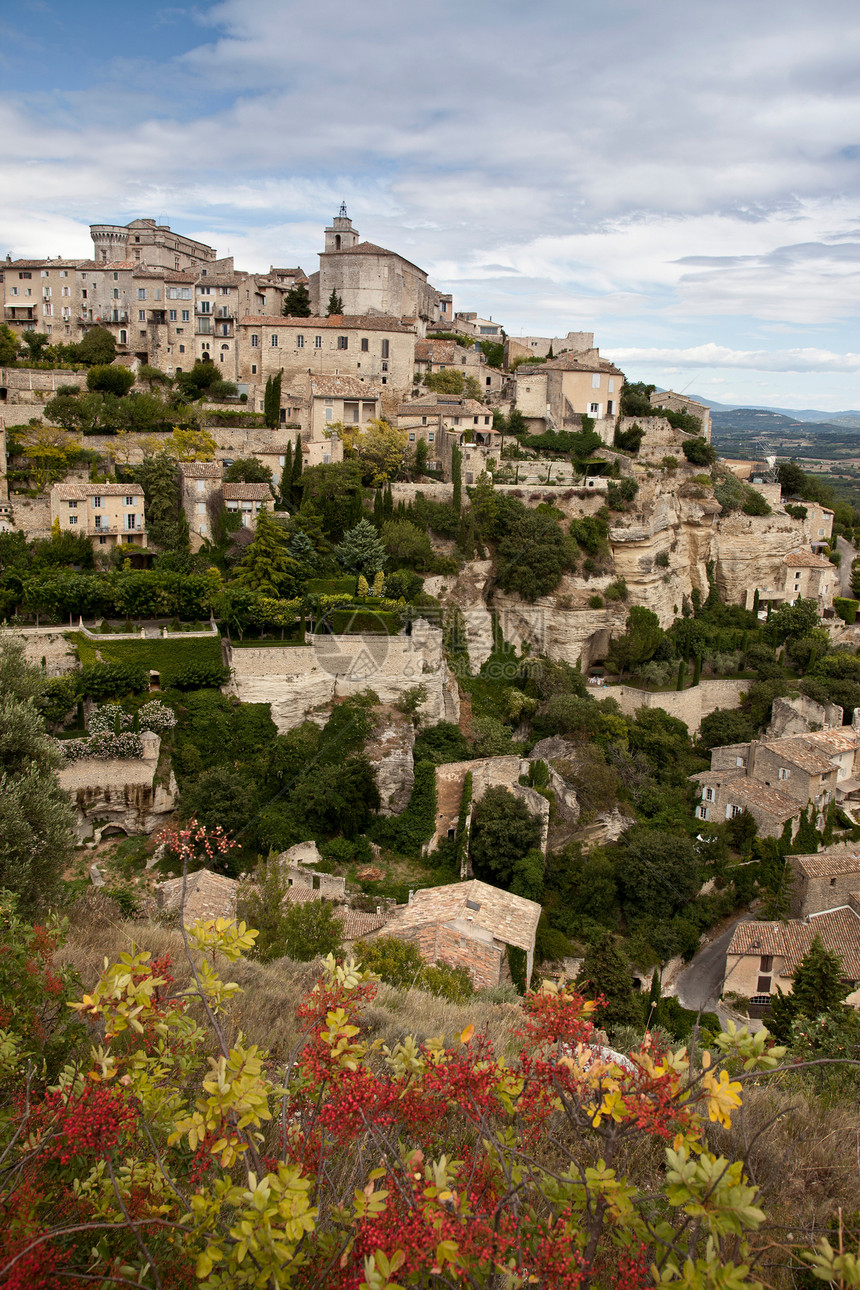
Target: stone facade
690, 705
558, 393
444, 355
824, 881
125, 793
575, 342
762, 957
680, 403
486, 772
42, 296
108, 514
146, 242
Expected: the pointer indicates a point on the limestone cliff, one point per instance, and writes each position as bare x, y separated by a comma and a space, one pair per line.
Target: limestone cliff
130, 794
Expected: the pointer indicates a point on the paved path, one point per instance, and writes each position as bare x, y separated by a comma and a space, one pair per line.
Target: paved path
701, 982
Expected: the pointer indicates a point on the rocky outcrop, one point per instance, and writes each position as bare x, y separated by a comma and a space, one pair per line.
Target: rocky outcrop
300, 683
128, 793
389, 751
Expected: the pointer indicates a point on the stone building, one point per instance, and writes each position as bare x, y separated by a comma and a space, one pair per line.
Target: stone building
776, 779
433, 356
824, 881
470, 925
469, 324
208, 895
763, 957
680, 403
146, 242
802, 575
486, 772
200, 481
557, 394
369, 279
247, 500
108, 514
376, 350
575, 342
443, 421
43, 296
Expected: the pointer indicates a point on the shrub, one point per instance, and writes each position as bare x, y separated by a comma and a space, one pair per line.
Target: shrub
699, 452
662, 560
595, 602
111, 680
846, 608
407, 832
104, 746
201, 676
616, 590
399, 963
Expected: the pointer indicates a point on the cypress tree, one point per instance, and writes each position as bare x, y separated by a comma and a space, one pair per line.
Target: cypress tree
388, 503
296, 480
335, 304
378, 508
457, 477
755, 602
286, 476
682, 675
697, 670
818, 987
272, 400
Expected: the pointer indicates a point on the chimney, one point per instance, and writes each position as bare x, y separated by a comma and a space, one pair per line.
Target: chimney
411, 896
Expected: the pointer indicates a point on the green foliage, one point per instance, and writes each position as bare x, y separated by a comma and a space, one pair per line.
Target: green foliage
297, 303
272, 400
532, 555
642, 638
407, 544
635, 400
441, 743
725, 726
311, 930
399, 963
818, 987
453, 381
112, 681
846, 609
110, 380
699, 452
167, 527
658, 873
503, 832
222, 796
493, 351
214, 730
408, 832
262, 903
362, 551
268, 568
335, 304
247, 470
619, 497
97, 346
169, 658
629, 440
605, 972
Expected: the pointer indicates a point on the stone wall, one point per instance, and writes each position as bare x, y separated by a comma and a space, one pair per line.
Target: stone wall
28, 385
124, 792
46, 643
486, 772
484, 960
690, 705
301, 682
800, 715
32, 515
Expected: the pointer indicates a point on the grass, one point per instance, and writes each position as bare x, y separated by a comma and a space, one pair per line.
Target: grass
167, 657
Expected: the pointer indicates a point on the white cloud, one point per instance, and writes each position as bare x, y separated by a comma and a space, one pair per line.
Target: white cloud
711, 355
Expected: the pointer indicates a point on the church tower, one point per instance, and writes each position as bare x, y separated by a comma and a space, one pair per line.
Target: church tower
341, 236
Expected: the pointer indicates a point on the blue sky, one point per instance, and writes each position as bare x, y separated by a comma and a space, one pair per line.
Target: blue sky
682, 178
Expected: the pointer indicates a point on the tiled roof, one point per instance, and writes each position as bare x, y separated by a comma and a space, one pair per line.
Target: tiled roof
476, 907
719, 776
839, 930
836, 740
340, 322
577, 363
247, 492
357, 924
201, 469
806, 560
436, 351
81, 492
831, 863
343, 387
298, 895
207, 895
752, 792
41, 264
797, 752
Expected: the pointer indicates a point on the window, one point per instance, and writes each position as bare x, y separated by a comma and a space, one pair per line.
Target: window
141, 315
67, 291
67, 313
612, 385
255, 341
609, 407
97, 501
141, 293
182, 349
343, 342
123, 337
274, 340
431, 437
116, 293
48, 310
739, 761
201, 508
186, 315
784, 772
205, 306
365, 344
300, 342
253, 369
384, 366
385, 349
225, 291
708, 795
703, 812
172, 314
317, 342
44, 273
131, 522
412, 437
384, 380
98, 522
763, 986
29, 275
733, 811
116, 277
594, 409
329, 414
73, 506
156, 295
102, 541
73, 519
14, 291
595, 381
128, 501
83, 295
64, 273
204, 291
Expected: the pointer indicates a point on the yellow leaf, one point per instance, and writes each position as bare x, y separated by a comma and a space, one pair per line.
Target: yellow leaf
467, 1034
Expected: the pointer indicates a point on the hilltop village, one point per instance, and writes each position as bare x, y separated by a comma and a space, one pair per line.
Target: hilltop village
453, 639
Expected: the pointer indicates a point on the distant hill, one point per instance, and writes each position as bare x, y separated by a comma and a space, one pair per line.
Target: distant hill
851, 417
744, 432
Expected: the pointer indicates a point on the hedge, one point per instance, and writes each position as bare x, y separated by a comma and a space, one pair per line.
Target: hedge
351, 621
343, 586
846, 608
171, 659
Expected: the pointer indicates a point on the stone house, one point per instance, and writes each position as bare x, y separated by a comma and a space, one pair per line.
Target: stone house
776, 779
802, 575
145, 242
248, 500
575, 342
680, 403
108, 514
201, 481
762, 957
824, 881
481, 328
379, 351
560, 392
443, 421
486, 772
433, 356
207, 895
369, 279
470, 925
43, 296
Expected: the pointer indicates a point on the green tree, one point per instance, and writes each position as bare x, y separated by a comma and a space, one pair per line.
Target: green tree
699, 452
9, 345
362, 550
503, 832
641, 640
108, 379
297, 302
532, 553
818, 987
605, 971
36, 815
272, 400
725, 726
311, 930
166, 524
97, 346
335, 304
407, 544
268, 567
261, 902
222, 796
36, 342
658, 872
248, 470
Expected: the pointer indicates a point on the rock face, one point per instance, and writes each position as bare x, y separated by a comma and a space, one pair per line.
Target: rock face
800, 715
124, 793
300, 683
389, 751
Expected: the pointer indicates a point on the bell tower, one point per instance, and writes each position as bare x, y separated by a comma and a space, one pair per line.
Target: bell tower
341, 235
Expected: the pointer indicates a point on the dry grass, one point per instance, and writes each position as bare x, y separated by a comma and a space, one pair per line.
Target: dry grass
265, 1010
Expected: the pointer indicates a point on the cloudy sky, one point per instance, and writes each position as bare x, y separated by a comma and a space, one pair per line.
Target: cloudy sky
681, 178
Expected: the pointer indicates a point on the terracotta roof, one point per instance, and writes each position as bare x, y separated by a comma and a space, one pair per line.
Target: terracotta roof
719, 776
357, 924
839, 930
437, 351
201, 469
836, 740
207, 895
799, 754
299, 895
829, 864
247, 492
476, 908
752, 792
340, 322
806, 560
344, 387
42, 264
577, 363
81, 492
